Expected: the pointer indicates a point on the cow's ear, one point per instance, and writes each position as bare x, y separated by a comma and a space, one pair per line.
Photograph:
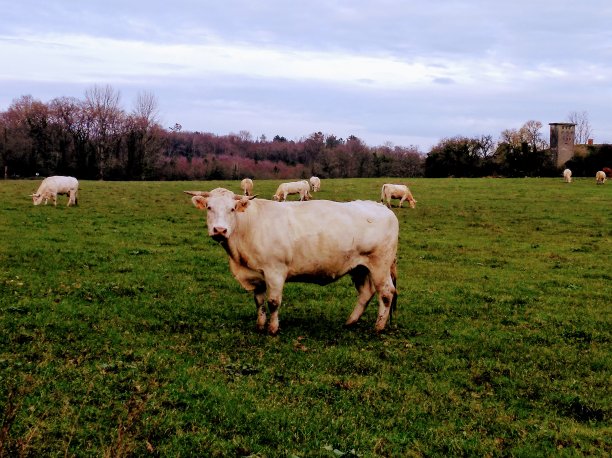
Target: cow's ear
197, 193
199, 202
243, 203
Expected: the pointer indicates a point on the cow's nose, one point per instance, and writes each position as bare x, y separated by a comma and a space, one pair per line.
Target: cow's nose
218, 230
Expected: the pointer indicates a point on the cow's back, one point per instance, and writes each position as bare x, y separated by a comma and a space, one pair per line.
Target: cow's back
59, 184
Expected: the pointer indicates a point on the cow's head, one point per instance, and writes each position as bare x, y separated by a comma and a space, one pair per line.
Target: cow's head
221, 208
37, 198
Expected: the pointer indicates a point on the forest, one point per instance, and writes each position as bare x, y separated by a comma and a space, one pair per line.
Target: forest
95, 138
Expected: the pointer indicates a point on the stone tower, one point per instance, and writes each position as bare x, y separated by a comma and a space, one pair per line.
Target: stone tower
562, 142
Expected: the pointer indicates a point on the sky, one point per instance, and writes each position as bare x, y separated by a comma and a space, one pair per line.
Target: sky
391, 72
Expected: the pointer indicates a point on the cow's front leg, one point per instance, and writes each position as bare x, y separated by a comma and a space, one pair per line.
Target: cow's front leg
275, 297
260, 299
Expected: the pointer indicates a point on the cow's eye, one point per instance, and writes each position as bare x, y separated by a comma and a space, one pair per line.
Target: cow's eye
233, 209
208, 208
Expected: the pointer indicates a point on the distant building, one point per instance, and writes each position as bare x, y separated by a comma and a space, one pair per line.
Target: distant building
562, 142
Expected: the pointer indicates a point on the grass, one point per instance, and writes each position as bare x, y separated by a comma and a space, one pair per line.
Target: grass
122, 332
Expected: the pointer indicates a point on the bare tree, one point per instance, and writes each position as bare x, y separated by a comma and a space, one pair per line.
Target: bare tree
102, 105
582, 131
143, 136
530, 133
146, 107
27, 119
486, 146
245, 136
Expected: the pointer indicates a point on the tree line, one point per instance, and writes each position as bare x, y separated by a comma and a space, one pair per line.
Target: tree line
95, 138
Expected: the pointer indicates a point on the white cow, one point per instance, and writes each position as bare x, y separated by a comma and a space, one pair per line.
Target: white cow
316, 242
396, 191
247, 186
315, 184
567, 175
52, 186
294, 187
600, 177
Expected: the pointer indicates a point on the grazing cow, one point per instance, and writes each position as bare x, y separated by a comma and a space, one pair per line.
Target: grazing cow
600, 177
396, 191
52, 186
315, 184
607, 171
294, 187
247, 186
316, 242
567, 175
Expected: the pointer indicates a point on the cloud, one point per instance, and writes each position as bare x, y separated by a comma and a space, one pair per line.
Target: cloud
88, 59
395, 68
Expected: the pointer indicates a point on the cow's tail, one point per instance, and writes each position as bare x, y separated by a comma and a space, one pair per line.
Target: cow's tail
394, 280
382, 194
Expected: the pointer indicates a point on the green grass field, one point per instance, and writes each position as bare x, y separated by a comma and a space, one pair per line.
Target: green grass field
123, 333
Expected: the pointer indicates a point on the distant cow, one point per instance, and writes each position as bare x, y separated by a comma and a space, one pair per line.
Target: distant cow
52, 186
247, 186
567, 175
315, 184
294, 187
600, 177
396, 191
316, 242
607, 171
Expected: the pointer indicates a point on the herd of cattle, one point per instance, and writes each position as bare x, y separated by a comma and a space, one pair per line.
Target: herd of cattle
313, 241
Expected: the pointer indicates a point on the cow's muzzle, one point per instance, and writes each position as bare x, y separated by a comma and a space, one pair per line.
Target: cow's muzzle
219, 233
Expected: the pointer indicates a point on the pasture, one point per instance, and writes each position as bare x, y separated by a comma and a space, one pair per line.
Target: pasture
123, 333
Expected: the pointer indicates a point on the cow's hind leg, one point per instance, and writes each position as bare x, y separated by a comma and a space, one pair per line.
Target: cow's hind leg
384, 283
365, 290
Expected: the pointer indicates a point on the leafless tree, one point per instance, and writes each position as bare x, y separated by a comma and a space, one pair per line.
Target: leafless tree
102, 106
146, 107
582, 131
528, 133
143, 136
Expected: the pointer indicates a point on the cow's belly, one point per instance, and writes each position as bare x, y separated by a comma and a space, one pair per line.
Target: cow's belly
317, 278
323, 271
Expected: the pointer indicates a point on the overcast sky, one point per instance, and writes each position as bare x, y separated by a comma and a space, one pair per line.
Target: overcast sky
407, 72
